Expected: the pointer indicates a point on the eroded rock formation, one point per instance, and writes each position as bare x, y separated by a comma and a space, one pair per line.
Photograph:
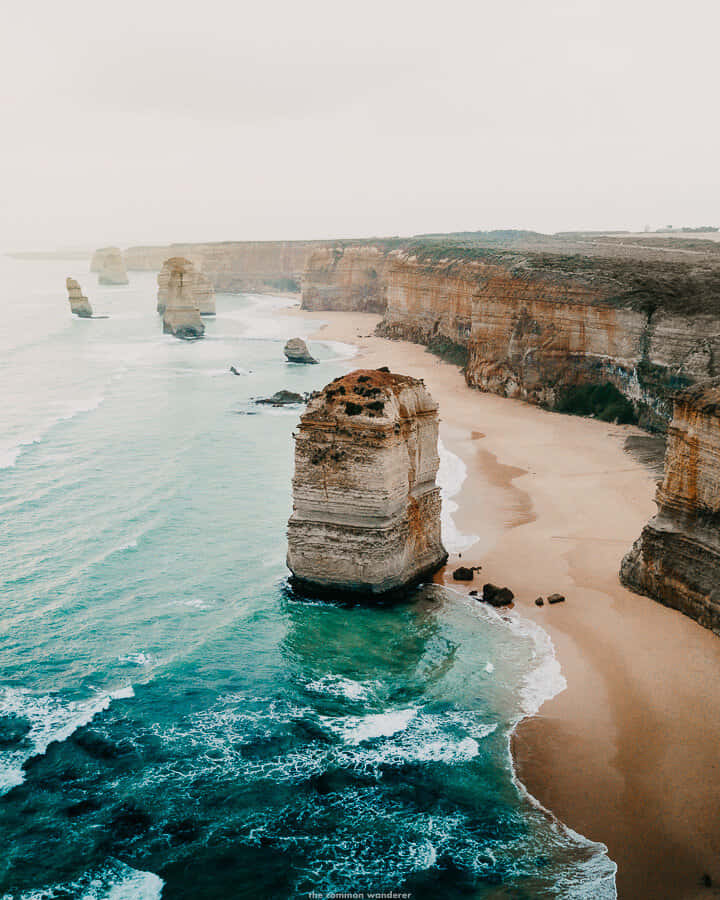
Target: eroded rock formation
296, 351
537, 326
366, 508
182, 316
110, 266
79, 303
676, 559
203, 291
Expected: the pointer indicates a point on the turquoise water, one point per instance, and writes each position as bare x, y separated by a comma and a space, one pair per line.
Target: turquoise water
173, 722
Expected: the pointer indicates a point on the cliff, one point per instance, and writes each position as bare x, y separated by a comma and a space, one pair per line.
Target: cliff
235, 266
110, 266
202, 289
366, 508
346, 279
541, 326
182, 316
676, 559
79, 303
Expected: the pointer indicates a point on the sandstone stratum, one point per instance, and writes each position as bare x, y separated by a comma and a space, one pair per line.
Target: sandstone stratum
202, 288
182, 315
366, 506
676, 559
108, 262
543, 327
79, 303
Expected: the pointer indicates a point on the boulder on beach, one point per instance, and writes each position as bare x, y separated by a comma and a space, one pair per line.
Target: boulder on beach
539, 601
556, 598
497, 596
465, 573
79, 303
296, 350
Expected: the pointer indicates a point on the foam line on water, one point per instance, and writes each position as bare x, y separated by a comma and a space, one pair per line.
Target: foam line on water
451, 475
49, 719
114, 881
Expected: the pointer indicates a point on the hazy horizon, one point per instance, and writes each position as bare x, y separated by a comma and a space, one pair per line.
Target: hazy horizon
165, 123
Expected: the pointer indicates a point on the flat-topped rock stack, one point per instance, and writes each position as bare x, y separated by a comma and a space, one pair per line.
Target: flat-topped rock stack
79, 303
676, 559
181, 316
108, 262
203, 290
366, 506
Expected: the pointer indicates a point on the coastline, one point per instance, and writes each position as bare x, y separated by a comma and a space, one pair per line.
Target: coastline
626, 755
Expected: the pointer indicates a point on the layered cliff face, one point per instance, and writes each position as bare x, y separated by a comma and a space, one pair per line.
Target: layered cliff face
537, 326
366, 508
79, 303
350, 279
676, 559
236, 266
110, 266
182, 316
202, 289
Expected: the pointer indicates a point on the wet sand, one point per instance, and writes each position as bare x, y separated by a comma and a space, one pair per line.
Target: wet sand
629, 753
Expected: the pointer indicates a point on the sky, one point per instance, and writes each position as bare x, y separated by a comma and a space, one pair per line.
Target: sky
150, 122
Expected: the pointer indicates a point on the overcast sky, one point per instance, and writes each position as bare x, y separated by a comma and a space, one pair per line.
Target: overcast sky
158, 121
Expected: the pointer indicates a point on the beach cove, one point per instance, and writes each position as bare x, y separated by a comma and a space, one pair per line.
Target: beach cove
621, 755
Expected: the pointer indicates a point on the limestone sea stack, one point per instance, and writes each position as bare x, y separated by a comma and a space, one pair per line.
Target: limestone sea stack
203, 289
296, 351
182, 316
676, 559
110, 266
366, 508
79, 303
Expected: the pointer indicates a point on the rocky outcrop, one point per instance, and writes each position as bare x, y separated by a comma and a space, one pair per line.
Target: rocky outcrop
366, 508
539, 326
79, 303
182, 316
676, 559
351, 279
202, 289
110, 266
296, 351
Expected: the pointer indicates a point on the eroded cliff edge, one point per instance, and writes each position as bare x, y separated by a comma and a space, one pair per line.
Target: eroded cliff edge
676, 559
540, 326
366, 507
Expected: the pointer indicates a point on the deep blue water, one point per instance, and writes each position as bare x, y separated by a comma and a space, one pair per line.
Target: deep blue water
173, 722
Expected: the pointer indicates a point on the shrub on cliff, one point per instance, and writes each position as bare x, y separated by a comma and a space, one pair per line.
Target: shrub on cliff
603, 401
449, 351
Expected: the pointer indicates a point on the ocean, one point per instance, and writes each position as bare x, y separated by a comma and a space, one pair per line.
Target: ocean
173, 721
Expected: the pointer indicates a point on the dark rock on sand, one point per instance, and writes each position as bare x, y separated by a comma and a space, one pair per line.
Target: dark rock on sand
497, 596
556, 598
539, 601
463, 573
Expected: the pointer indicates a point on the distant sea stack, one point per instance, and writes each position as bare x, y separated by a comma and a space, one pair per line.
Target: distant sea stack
676, 559
79, 303
366, 508
108, 262
203, 290
296, 351
182, 316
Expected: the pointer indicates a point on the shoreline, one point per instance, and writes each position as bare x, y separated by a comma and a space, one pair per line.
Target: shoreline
626, 755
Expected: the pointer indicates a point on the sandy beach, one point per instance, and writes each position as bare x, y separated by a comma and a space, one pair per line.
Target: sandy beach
628, 753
